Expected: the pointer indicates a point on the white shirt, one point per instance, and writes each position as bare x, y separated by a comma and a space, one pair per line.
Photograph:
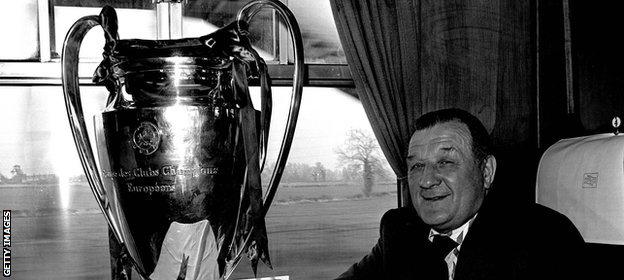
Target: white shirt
456, 235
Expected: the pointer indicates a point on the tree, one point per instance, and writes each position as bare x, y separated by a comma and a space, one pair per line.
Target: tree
361, 154
319, 172
297, 172
18, 174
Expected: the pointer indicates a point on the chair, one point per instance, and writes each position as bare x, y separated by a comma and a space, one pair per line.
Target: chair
583, 178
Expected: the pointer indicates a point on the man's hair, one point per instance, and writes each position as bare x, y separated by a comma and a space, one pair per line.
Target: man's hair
481, 143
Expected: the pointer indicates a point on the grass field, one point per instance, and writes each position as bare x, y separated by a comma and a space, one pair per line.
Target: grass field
315, 231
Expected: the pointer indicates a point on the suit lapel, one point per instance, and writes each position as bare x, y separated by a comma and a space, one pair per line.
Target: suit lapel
493, 247
425, 265
473, 254
481, 254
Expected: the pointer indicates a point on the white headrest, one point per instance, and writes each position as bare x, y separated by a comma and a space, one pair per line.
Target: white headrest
583, 178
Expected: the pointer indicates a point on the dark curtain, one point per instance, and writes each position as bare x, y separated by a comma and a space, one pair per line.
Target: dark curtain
410, 57
378, 38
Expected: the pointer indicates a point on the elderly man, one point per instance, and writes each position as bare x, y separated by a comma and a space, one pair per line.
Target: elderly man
455, 229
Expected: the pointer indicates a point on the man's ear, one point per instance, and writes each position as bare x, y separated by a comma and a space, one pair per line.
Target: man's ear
489, 170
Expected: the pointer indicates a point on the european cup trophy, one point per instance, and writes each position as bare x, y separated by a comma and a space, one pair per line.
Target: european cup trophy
180, 147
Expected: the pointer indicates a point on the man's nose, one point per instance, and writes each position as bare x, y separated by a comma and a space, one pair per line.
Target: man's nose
429, 178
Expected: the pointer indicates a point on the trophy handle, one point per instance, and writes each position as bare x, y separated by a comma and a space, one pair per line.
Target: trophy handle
73, 105
245, 14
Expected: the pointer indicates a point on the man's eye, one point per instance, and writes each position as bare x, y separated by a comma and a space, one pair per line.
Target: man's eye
418, 166
444, 163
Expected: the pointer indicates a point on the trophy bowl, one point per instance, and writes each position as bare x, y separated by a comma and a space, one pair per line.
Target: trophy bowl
180, 147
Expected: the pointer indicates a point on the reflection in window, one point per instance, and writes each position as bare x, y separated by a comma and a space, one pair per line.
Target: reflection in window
203, 17
18, 30
320, 37
134, 23
320, 222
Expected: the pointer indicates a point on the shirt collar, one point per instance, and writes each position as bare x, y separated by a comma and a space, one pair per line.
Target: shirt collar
457, 234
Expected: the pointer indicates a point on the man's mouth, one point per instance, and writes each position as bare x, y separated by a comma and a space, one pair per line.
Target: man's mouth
434, 197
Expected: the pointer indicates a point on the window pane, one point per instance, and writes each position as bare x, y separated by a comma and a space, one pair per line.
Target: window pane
321, 221
58, 230
19, 32
320, 36
202, 17
137, 20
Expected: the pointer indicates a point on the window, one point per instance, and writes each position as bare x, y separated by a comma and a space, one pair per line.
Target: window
23, 41
321, 220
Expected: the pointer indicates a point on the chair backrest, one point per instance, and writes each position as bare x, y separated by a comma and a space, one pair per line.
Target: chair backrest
583, 178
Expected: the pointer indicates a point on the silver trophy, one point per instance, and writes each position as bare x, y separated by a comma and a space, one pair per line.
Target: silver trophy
180, 147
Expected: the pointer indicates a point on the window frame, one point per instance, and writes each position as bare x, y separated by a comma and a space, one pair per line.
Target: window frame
23, 73
46, 70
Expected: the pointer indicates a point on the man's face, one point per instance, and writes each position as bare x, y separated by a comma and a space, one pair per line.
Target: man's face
447, 187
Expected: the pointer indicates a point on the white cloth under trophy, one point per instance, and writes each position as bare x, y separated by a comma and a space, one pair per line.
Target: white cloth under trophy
191, 245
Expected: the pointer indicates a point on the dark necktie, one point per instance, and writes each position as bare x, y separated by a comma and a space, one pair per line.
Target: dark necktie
442, 246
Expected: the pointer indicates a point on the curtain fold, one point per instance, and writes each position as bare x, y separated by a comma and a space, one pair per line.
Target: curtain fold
379, 38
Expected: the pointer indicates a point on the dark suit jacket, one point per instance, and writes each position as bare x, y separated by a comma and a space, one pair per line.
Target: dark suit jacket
504, 242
